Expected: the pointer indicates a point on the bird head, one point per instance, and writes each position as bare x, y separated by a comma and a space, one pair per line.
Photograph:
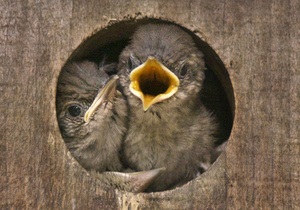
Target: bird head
84, 89
160, 64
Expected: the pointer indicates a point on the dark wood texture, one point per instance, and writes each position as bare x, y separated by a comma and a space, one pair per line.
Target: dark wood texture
259, 43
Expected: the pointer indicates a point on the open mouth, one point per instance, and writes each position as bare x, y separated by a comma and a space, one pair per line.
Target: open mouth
152, 82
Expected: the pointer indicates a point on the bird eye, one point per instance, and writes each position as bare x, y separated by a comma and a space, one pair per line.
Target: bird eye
132, 62
74, 110
183, 70
130, 65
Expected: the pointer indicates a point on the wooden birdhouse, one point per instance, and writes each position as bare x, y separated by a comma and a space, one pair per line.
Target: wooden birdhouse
251, 49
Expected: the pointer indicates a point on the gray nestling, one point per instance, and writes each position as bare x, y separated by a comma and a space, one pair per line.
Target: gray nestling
161, 72
92, 116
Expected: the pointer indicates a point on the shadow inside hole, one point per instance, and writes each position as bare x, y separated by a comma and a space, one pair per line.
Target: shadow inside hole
217, 93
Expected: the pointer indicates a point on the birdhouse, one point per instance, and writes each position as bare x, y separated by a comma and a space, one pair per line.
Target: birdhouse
251, 53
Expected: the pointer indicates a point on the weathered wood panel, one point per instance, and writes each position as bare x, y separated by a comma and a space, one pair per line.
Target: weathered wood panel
259, 43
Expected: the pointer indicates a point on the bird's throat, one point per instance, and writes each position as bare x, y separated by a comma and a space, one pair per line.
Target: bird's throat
152, 82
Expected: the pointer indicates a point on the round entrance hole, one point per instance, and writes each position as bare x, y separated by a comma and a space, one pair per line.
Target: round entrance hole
106, 46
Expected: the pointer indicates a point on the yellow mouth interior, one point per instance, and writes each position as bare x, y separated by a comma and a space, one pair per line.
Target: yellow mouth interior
152, 82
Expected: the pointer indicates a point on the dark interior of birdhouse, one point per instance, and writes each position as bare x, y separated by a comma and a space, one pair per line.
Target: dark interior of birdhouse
217, 93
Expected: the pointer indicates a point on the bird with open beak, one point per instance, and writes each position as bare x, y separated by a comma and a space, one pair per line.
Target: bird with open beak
92, 116
161, 72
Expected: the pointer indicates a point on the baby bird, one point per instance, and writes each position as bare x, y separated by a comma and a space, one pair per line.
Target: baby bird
161, 72
92, 115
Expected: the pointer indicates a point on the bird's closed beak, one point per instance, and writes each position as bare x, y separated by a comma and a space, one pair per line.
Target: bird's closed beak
133, 182
106, 93
152, 82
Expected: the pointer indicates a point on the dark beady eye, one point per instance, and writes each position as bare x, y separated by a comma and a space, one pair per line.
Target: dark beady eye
132, 62
183, 70
75, 110
130, 65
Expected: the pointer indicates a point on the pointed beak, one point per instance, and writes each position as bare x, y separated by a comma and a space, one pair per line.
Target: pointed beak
106, 93
140, 181
132, 182
152, 82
